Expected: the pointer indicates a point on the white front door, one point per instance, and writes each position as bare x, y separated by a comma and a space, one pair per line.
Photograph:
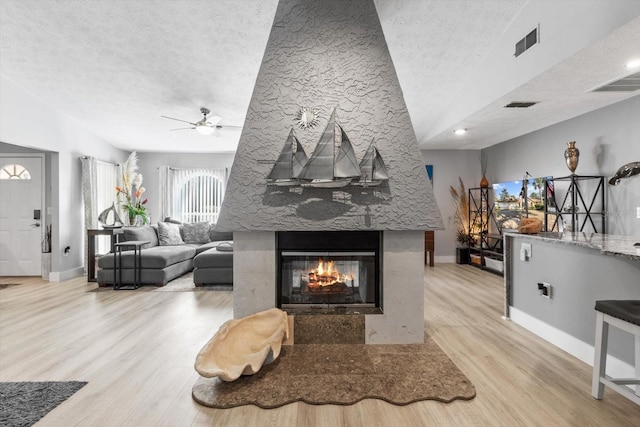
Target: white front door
20, 213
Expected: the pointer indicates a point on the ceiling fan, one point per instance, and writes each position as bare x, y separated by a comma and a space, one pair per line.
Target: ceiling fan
206, 126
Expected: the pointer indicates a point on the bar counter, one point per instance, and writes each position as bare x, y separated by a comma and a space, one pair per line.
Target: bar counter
579, 269
608, 244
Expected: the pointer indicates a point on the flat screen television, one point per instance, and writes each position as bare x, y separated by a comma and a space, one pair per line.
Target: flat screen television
513, 200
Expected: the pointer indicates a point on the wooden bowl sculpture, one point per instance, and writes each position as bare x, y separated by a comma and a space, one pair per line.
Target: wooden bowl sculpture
242, 346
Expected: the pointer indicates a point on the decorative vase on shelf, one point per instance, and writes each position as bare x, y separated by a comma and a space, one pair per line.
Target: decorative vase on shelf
484, 182
572, 155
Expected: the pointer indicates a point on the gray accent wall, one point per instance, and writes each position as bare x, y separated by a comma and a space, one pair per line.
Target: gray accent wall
578, 276
448, 166
326, 55
607, 139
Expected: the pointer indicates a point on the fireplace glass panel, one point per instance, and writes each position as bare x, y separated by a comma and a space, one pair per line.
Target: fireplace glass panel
322, 279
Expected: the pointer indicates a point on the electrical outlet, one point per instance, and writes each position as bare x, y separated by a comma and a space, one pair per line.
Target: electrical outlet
525, 252
544, 289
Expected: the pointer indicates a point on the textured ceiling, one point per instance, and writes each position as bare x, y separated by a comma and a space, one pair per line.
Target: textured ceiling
117, 66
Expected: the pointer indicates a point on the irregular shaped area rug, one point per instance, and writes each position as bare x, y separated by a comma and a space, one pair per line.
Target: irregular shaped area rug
24, 403
343, 374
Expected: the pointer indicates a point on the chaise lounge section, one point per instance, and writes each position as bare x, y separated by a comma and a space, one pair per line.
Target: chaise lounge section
214, 266
172, 251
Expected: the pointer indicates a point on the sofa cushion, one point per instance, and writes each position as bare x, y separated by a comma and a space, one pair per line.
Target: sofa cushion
152, 276
155, 257
145, 232
169, 234
196, 233
213, 276
220, 235
212, 258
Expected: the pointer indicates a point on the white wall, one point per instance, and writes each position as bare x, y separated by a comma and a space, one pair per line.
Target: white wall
27, 122
448, 165
148, 164
607, 138
566, 27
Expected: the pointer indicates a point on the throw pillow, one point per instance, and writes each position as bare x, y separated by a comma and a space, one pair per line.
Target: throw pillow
225, 247
145, 232
169, 234
196, 233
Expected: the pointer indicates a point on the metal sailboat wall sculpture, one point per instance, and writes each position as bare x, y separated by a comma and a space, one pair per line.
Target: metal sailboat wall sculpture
289, 164
374, 171
325, 168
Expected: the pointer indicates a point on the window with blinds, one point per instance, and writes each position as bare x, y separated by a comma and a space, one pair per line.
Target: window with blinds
196, 194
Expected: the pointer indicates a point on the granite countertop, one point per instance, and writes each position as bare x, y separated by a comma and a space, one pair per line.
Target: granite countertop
608, 244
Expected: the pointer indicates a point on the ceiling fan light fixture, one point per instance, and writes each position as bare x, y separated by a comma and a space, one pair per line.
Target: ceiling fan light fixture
214, 120
206, 125
205, 129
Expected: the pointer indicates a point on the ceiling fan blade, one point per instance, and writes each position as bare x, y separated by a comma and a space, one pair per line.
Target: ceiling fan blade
228, 127
181, 128
179, 120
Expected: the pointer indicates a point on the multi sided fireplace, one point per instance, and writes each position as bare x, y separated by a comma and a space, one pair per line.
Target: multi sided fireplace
329, 269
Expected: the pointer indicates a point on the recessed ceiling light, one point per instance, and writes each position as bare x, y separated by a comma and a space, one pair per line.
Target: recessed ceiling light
634, 63
460, 131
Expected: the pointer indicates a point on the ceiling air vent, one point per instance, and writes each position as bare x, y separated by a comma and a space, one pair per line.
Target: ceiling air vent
527, 42
520, 104
625, 84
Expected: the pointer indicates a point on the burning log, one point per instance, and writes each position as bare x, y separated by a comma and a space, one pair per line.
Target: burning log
326, 279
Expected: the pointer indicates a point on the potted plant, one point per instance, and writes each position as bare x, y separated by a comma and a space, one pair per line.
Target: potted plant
461, 219
130, 193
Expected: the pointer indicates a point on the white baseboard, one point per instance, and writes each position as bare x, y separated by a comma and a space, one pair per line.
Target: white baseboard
58, 276
615, 367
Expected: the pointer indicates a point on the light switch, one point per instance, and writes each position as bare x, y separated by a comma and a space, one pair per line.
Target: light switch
525, 252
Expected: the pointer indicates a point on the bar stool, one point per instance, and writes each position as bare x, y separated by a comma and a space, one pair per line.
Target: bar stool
625, 315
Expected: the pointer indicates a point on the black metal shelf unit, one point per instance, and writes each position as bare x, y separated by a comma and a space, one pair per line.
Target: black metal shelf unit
485, 230
582, 209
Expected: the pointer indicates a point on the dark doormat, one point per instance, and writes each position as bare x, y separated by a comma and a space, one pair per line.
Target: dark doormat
343, 374
24, 403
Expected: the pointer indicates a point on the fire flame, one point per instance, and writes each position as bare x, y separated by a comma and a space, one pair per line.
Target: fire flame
326, 274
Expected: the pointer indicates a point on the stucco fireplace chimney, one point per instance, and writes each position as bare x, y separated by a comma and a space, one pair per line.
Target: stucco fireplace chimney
331, 56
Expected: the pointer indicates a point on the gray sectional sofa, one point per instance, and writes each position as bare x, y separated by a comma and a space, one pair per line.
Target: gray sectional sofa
171, 255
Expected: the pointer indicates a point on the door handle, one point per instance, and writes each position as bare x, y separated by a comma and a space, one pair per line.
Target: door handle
37, 224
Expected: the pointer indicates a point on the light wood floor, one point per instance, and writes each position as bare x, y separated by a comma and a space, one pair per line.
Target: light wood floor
136, 350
